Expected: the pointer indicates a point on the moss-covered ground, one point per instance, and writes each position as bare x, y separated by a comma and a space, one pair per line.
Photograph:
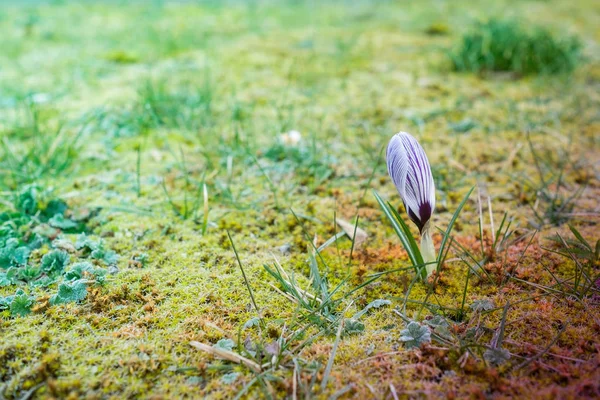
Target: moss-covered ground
171, 121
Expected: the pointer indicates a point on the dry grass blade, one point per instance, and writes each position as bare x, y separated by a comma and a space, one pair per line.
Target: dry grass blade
353, 232
227, 355
327, 372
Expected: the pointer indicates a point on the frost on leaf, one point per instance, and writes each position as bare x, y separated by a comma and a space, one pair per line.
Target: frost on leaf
225, 344
374, 304
254, 321
60, 222
5, 280
85, 269
414, 335
110, 257
55, 262
352, 326
229, 378
5, 302
11, 254
21, 255
70, 292
440, 326
482, 305
86, 243
496, 356
27, 201
21, 304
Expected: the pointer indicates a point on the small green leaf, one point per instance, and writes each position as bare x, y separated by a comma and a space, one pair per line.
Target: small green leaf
46, 231
110, 257
404, 234
43, 281
496, 356
4, 281
77, 270
463, 126
21, 255
12, 275
252, 322
29, 273
437, 321
55, 261
27, 201
55, 207
86, 242
81, 269
374, 304
229, 378
70, 292
353, 326
60, 222
440, 326
414, 335
7, 252
21, 304
225, 344
482, 305
5, 302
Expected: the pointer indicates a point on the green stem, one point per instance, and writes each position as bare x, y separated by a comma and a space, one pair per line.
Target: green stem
428, 250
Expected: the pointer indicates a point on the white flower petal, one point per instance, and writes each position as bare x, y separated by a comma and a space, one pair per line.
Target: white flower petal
409, 168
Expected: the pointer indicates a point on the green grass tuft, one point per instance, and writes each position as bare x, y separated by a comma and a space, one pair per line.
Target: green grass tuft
507, 46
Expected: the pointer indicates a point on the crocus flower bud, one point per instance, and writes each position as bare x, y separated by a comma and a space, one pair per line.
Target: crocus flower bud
409, 168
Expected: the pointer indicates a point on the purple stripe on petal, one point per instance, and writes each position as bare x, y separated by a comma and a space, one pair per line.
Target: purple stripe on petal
410, 171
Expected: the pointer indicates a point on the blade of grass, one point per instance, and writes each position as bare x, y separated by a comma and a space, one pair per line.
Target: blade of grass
246, 281
205, 217
332, 356
450, 226
138, 171
399, 227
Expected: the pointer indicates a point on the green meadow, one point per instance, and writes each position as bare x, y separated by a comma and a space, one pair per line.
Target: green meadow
194, 199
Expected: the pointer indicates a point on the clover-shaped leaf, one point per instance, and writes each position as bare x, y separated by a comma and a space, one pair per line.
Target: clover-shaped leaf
482, 305
27, 201
21, 304
55, 261
496, 356
414, 335
229, 378
440, 326
225, 344
85, 242
70, 292
5, 302
254, 321
4, 280
374, 304
54, 207
352, 326
29, 273
60, 222
21, 255
7, 252
110, 257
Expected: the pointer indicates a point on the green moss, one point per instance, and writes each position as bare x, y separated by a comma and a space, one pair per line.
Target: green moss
216, 86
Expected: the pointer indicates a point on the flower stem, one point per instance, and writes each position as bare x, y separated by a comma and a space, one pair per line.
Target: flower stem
428, 250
